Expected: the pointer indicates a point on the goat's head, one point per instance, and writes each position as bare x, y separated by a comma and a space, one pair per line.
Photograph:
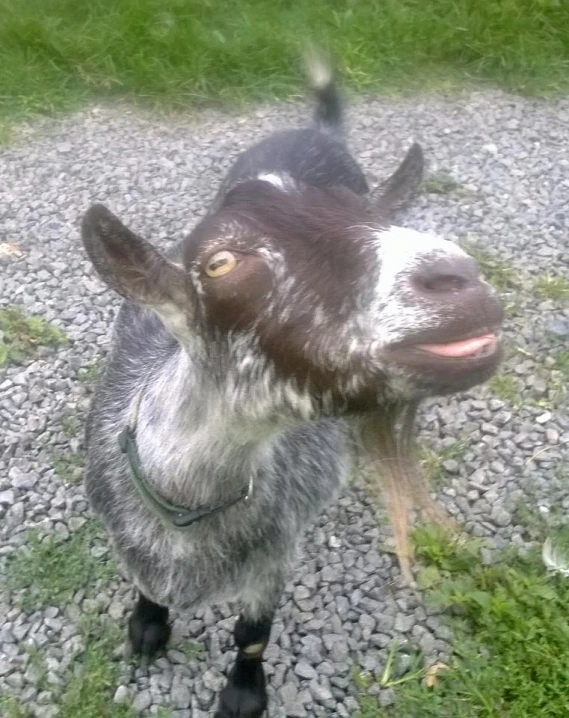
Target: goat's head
305, 288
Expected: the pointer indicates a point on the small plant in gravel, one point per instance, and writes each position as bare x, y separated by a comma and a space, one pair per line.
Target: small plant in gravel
550, 287
511, 636
562, 363
38, 667
558, 381
49, 570
192, 649
68, 466
526, 515
71, 424
91, 373
21, 335
432, 461
440, 183
505, 387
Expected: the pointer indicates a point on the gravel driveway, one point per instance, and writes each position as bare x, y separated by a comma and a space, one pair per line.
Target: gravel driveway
509, 158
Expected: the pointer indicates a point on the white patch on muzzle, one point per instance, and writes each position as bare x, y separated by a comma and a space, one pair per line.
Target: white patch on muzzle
396, 310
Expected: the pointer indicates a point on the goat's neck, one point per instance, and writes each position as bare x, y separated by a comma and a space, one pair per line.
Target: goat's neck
197, 436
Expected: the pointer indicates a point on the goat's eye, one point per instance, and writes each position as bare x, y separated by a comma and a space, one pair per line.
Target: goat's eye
220, 263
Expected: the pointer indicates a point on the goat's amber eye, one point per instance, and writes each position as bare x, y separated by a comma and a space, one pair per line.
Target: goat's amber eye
220, 263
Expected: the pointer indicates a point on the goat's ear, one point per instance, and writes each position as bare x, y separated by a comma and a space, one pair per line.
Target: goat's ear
130, 265
399, 190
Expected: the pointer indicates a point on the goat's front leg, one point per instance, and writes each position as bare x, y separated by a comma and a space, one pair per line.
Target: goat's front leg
245, 695
148, 628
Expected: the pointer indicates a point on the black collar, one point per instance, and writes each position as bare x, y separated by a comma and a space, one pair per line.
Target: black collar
177, 517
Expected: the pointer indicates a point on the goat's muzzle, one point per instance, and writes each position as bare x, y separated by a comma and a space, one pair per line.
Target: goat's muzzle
462, 349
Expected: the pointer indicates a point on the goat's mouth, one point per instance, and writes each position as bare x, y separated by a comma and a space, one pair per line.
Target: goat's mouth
452, 362
477, 347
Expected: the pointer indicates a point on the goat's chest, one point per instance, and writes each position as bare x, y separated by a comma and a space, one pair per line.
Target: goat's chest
223, 554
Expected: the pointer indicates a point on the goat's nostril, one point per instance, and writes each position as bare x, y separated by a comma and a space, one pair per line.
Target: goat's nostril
445, 276
443, 283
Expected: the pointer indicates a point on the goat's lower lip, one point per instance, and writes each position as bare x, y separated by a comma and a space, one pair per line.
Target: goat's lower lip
484, 343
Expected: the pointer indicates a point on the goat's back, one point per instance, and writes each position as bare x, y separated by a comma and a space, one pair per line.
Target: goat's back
306, 156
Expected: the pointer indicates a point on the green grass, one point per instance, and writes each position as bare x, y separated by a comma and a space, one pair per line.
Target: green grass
51, 571
550, 287
90, 683
511, 636
21, 335
10, 707
89, 691
177, 53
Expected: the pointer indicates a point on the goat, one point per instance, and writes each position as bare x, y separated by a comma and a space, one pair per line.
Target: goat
292, 317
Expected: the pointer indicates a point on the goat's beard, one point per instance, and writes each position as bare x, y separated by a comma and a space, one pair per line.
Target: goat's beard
388, 439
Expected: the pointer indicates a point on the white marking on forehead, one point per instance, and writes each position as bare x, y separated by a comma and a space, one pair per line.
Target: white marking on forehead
401, 250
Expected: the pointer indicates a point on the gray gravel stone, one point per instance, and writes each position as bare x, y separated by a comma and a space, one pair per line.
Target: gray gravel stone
559, 326
180, 695
142, 701
303, 669
121, 695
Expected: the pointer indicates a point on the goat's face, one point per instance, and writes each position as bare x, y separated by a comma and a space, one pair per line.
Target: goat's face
305, 288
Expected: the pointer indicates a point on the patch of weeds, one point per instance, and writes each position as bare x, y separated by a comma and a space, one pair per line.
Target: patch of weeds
562, 363
91, 373
432, 461
51, 571
494, 270
37, 663
506, 388
11, 707
556, 288
92, 682
510, 636
558, 381
68, 466
525, 514
556, 391
440, 183
21, 335
71, 424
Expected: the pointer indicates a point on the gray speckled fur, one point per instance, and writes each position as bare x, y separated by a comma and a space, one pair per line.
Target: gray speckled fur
205, 427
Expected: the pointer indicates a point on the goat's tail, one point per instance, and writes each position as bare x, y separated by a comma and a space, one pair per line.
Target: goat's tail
322, 80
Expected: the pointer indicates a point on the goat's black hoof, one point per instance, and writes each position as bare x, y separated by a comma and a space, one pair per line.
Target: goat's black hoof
148, 629
245, 695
